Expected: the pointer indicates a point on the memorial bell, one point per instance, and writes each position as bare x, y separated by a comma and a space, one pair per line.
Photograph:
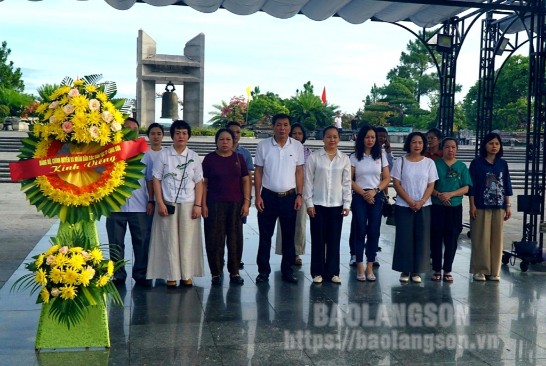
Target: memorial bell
169, 102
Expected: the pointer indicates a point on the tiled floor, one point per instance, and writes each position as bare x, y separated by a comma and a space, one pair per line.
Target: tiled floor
381, 323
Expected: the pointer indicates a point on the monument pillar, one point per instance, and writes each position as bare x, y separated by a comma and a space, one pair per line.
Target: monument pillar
186, 70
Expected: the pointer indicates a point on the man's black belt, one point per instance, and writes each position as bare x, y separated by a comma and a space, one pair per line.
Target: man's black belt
281, 194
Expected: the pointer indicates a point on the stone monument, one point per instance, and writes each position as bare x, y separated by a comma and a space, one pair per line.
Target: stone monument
187, 70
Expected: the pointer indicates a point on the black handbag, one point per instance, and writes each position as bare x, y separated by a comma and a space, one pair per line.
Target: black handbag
170, 209
388, 208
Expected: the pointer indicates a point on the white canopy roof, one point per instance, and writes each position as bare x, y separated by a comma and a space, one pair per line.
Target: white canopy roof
353, 11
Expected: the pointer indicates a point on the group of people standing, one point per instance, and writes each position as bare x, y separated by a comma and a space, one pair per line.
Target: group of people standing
427, 229
291, 184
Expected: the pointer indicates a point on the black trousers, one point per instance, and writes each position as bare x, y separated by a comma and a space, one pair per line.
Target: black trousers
446, 225
325, 239
223, 227
116, 227
281, 208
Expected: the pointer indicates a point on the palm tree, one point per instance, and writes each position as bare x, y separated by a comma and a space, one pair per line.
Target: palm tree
307, 108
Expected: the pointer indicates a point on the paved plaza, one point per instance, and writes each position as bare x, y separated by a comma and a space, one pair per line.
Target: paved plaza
381, 323
488, 323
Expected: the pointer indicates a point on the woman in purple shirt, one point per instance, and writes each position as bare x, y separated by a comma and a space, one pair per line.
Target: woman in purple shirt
226, 198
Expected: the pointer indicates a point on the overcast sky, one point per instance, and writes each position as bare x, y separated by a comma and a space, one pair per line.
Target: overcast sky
53, 39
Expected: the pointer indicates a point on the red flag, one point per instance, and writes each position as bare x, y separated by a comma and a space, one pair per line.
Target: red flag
323, 98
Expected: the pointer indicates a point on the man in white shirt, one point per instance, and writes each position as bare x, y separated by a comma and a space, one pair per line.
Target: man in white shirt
132, 213
278, 184
338, 121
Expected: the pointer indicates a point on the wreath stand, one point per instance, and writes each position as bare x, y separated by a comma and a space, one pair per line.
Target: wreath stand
92, 331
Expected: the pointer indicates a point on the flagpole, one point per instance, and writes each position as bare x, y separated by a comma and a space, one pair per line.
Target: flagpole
247, 104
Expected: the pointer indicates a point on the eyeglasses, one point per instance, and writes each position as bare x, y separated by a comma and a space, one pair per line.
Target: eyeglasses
452, 173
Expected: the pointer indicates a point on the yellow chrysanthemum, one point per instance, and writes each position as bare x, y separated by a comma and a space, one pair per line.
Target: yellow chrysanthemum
90, 88
56, 275
53, 249
76, 261
96, 255
78, 82
101, 96
59, 115
79, 120
71, 277
118, 116
80, 103
104, 135
110, 268
44, 294
95, 118
103, 280
75, 250
86, 276
68, 292
60, 91
60, 260
40, 277
41, 147
40, 260
81, 134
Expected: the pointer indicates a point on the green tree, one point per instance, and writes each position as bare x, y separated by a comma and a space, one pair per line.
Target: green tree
417, 65
412, 79
14, 102
509, 96
307, 108
263, 106
45, 90
10, 76
235, 110
12, 99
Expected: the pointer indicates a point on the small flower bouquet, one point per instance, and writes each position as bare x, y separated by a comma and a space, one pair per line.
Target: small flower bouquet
71, 275
82, 111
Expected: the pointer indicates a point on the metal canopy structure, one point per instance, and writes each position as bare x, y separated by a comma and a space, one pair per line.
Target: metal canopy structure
424, 13
502, 17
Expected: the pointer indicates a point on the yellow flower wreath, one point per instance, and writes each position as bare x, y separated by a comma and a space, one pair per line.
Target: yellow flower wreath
80, 120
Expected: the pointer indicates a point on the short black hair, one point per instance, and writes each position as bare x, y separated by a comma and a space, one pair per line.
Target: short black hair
217, 136
180, 124
233, 123
407, 142
330, 127
296, 125
491, 136
446, 139
436, 133
131, 119
154, 125
381, 129
280, 116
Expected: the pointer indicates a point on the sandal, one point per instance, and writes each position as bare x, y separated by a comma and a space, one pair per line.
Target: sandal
436, 277
448, 277
361, 277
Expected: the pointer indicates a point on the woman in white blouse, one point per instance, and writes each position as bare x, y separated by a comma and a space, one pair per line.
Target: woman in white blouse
413, 180
176, 249
327, 194
370, 171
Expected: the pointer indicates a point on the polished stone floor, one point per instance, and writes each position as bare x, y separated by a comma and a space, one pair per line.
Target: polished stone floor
381, 323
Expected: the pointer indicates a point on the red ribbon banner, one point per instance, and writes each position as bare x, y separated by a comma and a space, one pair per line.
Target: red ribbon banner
32, 168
